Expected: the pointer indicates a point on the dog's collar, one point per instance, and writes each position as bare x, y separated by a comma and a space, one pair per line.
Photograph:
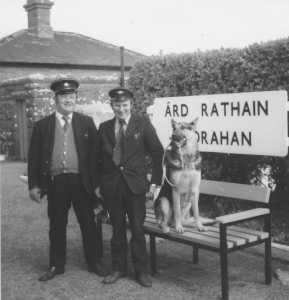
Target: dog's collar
187, 161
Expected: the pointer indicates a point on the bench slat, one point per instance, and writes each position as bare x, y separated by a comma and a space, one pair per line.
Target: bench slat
260, 234
237, 241
153, 218
188, 235
203, 219
237, 235
235, 190
212, 232
248, 237
243, 215
150, 212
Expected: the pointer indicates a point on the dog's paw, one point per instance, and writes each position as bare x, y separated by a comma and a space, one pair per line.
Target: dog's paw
201, 227
179, 228
165, 228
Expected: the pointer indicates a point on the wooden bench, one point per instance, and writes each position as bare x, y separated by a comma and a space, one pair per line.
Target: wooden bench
224, 237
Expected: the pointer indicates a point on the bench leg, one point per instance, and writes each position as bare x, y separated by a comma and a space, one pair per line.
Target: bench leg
195, 254
268, 254
268, 268
99, 238
224, 276
224, 262
153, 254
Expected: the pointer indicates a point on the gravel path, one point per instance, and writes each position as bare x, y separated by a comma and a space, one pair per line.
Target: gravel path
25, 253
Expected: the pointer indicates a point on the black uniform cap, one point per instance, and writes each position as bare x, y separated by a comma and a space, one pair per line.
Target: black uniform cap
63, 86
120, 94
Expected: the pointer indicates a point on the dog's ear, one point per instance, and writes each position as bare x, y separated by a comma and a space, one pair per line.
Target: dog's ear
174, 124
194, 123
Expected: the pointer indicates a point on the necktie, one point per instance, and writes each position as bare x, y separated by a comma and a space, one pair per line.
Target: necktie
66, 122
119, 139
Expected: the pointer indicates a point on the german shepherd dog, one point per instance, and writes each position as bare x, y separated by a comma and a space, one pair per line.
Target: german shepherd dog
180, 191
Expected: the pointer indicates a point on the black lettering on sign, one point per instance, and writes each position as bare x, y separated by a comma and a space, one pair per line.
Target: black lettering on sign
250, 109
202, 137
175, 110
204, 110
214, 110
198, 136
246, 109
214, 138
168, 110
246, 138
263, 108
254, 108
224, 104
235, 138
235, 109
184, 110
225, 138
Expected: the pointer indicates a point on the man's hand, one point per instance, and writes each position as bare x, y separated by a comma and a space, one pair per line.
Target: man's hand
97, 192
97, 212
35, 194
152, 195
154, 190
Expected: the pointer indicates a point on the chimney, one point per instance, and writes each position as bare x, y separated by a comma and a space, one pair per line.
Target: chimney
39, 18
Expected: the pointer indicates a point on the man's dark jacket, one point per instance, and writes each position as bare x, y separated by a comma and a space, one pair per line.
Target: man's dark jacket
41, 149
140, 139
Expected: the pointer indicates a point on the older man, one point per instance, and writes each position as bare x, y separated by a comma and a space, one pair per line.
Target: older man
59, 165
123, 143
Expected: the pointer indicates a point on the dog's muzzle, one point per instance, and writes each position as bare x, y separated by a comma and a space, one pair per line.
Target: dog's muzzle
179, 140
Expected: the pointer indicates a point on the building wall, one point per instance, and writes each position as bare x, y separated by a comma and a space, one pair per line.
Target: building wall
25, 97
7, 73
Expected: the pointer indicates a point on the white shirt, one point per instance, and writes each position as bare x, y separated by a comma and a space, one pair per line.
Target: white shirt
117, 125
59, 116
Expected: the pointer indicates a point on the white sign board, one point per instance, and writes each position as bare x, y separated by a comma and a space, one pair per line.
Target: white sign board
244, 123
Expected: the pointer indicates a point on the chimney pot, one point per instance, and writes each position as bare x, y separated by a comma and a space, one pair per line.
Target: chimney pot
39, 18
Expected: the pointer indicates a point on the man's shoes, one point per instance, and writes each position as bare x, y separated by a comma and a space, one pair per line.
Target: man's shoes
98, 269
143, 279
113, 277
51, 273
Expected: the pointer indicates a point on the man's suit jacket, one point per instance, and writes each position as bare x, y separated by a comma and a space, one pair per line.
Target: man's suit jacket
41, 148
140, 139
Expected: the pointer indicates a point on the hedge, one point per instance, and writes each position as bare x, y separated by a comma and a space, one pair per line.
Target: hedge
259, 67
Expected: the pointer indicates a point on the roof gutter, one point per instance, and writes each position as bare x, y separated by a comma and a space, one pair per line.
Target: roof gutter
63, 66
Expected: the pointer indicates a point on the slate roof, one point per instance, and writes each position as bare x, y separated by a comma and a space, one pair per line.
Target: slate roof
64, 48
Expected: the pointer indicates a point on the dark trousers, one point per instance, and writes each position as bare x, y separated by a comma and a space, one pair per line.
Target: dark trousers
63, 190
121, 203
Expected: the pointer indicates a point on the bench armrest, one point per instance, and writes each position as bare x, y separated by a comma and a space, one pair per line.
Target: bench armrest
243, 216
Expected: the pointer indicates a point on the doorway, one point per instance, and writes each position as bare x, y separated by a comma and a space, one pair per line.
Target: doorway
22, 129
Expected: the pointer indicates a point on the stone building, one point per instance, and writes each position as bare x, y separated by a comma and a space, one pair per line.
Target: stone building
31, 58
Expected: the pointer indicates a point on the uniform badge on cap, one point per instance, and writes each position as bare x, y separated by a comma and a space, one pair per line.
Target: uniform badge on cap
62, 86
120, 94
